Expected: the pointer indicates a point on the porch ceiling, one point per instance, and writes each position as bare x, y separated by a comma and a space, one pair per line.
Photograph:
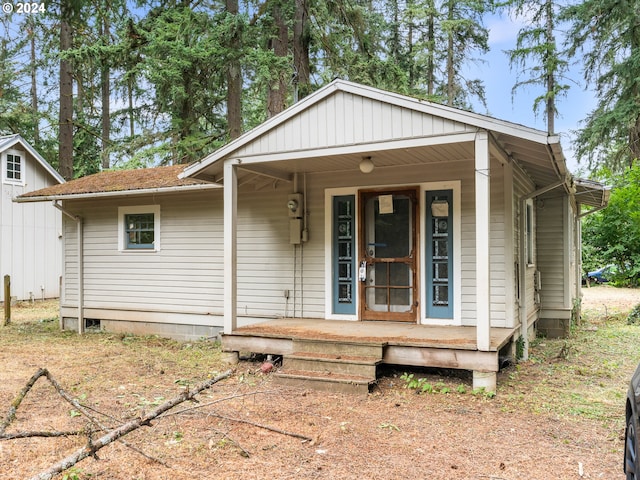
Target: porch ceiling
537, 160
335, 162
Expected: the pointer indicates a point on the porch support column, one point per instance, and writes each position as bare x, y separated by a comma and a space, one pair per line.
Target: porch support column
230, 247
483, 379
482, 242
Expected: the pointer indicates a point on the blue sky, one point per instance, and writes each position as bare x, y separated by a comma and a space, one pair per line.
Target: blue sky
499, 79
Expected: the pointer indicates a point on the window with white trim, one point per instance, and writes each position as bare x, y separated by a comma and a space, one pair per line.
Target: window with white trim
139, 228
13, 167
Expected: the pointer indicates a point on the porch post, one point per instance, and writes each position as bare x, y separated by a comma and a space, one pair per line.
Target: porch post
482, 241
230, 247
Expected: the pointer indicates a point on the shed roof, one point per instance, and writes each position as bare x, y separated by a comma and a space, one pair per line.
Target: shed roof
119, 182
10, 141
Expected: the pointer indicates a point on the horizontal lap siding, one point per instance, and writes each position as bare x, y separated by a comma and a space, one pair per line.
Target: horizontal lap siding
522, 185
497, 266
187, 274
551, 252
463, 171
184, 276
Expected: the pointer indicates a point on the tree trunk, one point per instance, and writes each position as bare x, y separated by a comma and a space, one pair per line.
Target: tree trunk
431, 41
234, 79
65, 136
34, 83
276, 99
450, 58
301, 49
551, 84
106, 97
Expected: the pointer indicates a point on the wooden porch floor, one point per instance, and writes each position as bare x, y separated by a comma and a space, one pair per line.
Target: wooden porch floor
386, 333
402, 343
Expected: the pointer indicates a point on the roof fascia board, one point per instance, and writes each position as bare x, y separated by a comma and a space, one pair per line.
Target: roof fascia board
120, 193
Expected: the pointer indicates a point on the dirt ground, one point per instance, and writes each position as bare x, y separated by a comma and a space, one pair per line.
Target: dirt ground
556, 416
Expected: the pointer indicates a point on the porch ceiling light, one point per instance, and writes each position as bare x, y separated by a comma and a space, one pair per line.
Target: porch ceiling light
366, 165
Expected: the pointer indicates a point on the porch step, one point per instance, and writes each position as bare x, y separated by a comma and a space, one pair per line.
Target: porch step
334, 364
336, 347
345, 367
325, 381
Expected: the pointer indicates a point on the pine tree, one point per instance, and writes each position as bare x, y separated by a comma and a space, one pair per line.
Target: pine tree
537, 56
606, 34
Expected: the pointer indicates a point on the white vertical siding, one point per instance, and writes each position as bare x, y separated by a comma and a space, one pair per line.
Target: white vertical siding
29, 233
325, 125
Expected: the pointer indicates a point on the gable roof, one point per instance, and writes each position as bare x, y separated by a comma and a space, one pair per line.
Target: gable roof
340, 104
119, 183
10, 141
317, 133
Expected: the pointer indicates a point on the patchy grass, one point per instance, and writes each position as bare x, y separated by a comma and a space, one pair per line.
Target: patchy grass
584, 376
561, 408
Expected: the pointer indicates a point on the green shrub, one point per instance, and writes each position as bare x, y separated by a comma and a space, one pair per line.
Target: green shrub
634, 316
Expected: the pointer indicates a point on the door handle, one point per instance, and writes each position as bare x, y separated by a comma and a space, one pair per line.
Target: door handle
362, 271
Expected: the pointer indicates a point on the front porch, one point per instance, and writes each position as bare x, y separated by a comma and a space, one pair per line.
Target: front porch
323, 353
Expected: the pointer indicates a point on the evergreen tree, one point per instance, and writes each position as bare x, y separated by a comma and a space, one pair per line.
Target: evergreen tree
14, 110
606, 33
536, 56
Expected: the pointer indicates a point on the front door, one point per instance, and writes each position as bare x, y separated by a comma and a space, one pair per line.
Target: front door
387, 259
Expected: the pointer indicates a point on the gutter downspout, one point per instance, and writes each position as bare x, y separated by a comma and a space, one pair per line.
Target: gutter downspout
524, 326
80, 240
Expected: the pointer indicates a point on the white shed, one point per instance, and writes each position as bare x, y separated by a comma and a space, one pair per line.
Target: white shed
31, 235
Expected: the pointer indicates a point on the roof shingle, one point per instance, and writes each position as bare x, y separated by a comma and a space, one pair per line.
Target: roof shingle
119, 181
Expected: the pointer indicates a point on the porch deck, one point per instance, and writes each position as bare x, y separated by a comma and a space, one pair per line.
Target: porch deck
398, 343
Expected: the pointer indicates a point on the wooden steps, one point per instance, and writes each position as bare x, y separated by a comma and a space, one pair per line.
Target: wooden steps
330, 366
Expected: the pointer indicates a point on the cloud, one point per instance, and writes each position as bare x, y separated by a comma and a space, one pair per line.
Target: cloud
503, 29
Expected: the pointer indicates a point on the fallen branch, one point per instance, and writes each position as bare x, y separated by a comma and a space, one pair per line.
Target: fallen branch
11, 415
93, 446
15, 435
43, 372
266, 427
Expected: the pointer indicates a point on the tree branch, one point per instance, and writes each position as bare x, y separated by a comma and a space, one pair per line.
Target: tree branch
90, 450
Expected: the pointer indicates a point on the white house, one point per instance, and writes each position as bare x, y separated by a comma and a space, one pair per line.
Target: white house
30, 248
442, 237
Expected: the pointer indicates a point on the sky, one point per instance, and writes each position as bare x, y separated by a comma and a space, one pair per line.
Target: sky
499, 80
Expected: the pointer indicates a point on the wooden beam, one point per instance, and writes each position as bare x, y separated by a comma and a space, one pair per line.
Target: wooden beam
267, 172
441, 358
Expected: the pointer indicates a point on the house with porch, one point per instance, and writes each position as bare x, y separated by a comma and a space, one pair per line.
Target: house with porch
355, 228
30, 243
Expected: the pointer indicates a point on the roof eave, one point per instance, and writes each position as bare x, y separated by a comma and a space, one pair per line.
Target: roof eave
118, 193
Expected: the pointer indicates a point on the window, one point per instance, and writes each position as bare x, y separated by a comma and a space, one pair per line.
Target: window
344, 259
13, 167
529, 233
139, 228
